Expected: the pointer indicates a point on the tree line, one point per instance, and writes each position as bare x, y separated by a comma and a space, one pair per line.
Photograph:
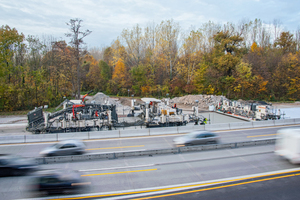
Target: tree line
248, 60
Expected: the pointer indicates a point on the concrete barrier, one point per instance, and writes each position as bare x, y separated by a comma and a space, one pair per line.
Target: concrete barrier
114, 155
257, 124
41, 138
288, 121
164, 130
239, 125
217, 127
190, 128
103, 134
72, 135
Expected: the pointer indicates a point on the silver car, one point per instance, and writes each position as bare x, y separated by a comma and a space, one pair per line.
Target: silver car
197, 138
64, 148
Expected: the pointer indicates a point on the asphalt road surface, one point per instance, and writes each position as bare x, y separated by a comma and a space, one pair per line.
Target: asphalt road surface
140, 143
120, 178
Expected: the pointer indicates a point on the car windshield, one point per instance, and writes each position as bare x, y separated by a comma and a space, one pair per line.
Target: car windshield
57, 145
191, 135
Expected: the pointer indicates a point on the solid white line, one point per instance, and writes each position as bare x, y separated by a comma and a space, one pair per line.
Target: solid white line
117, 151
263, 139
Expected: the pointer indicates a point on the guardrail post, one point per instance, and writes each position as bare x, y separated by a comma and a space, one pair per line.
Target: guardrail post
179, 150
24, 138
236, 145
57, 137
119, 133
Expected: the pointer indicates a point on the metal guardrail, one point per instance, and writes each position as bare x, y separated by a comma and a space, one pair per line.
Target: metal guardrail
176, 150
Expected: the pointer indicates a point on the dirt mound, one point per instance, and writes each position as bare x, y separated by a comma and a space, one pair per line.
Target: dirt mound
127, 101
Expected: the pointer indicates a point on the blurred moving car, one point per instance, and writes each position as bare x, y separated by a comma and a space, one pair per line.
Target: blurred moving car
59, 181
12, 165
64, 148
197, 138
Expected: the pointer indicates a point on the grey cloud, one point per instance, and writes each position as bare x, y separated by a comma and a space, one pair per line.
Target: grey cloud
107, 19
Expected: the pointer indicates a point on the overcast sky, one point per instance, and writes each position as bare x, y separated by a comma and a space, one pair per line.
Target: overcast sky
107, 18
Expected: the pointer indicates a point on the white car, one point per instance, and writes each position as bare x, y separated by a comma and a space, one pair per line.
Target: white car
64, 148
197, 138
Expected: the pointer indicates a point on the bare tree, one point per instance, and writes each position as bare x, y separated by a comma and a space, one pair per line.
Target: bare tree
134, 41
97, 52
77, 36
277, 26
167, 40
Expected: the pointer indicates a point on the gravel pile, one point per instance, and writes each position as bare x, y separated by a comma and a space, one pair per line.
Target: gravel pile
204, 100
101, 98
189, 100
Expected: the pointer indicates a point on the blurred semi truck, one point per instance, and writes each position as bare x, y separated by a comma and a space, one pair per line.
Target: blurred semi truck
287, 144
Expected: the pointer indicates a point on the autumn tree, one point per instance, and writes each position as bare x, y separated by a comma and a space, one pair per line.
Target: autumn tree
191, 52
286, 43
286, 78
106, 74
10, 39
256, 58
60, 65
225, 57
139, 78
90, 73
120, 77
118, 52
243, 80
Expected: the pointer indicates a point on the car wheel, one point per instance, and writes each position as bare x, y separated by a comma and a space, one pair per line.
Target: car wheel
78, 153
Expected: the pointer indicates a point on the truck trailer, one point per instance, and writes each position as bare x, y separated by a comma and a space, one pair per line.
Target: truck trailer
287, 144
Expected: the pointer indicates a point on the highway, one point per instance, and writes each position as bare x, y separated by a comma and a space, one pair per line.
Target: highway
139, 143
132, 177
129, 176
